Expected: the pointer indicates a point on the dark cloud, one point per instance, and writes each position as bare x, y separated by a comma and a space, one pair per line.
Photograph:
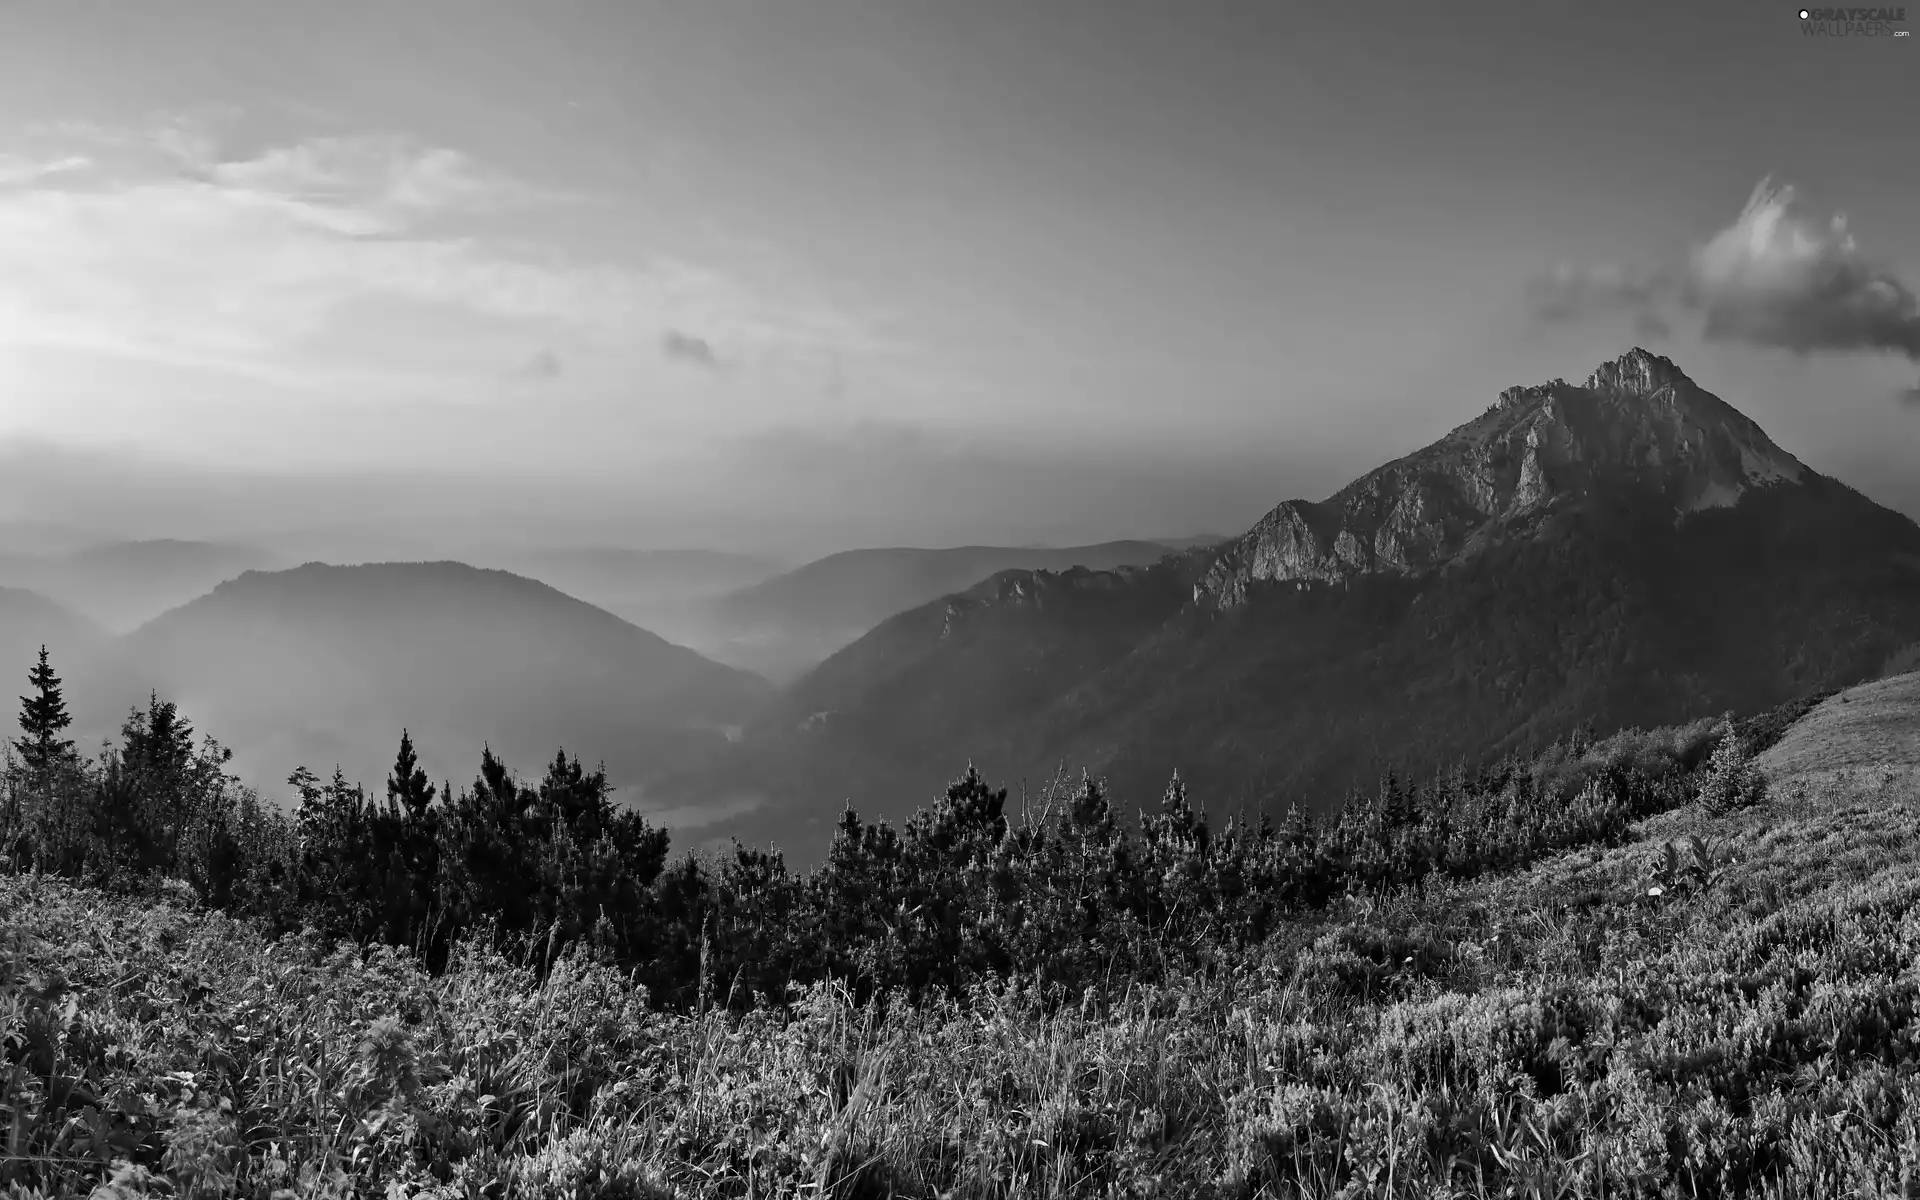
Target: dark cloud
1775, 277
684, 347
540, 368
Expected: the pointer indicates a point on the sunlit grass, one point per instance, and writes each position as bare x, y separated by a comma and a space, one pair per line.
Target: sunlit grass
1751, 1029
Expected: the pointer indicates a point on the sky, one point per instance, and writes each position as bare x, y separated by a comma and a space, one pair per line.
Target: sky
822, 274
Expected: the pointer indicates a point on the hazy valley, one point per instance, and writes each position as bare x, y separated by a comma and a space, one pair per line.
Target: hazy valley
1627, 551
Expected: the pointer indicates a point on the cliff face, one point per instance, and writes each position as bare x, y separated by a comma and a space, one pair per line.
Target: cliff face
1637, 427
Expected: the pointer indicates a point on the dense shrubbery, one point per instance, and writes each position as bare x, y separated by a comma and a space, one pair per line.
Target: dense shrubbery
513, 989
1066, 893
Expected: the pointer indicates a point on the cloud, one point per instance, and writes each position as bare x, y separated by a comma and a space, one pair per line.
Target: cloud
17, 170
386, 179
684, 347
374, 262
1776, 277
541, 368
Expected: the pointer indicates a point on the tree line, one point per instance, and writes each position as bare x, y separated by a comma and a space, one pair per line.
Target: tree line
1066, 892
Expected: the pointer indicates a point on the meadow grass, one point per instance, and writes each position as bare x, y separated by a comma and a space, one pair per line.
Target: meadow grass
1863, 728
1749, 1030
1722, 1005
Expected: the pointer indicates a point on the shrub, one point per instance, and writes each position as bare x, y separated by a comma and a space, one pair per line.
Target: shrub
1730, 780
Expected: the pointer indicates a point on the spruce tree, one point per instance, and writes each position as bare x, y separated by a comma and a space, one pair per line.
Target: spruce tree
407, 787
158, 741
42, 718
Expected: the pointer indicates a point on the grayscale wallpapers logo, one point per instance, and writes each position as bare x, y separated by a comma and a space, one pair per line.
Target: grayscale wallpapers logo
1853, 22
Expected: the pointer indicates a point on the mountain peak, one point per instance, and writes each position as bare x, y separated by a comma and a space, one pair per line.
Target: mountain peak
1637, 372
1638, 429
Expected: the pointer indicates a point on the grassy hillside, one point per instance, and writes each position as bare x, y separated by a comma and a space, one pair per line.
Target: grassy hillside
1869, 730
1710, 1005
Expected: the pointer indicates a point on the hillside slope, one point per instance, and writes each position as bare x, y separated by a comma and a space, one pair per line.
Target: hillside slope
325, 664
1866, 730
787, 624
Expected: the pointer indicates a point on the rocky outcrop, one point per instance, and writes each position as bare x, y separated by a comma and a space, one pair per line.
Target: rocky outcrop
1637, 423
1036, 589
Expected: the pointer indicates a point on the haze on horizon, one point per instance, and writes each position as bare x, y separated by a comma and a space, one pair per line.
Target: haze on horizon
811, 276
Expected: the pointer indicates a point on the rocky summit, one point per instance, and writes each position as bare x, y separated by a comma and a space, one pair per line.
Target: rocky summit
1637, 429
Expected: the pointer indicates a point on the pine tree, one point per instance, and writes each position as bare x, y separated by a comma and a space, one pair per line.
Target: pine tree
42, 717
407, 787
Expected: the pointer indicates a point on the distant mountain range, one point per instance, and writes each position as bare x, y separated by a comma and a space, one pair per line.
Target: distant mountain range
791, 622
45, 538
638, 583
321, 665
1629, 550
119, 585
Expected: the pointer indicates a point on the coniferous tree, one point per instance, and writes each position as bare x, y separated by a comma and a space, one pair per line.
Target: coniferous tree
408, 788
42, 755
160, 740
43, 716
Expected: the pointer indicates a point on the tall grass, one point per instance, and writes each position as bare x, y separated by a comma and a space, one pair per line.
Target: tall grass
1747, 1027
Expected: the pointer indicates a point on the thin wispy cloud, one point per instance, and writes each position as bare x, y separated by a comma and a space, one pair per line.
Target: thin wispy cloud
1778, 276
390, 180
17, 169
180, 251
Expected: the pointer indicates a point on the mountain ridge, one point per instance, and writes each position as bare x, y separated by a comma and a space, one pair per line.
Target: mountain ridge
1637, 421
792, 622
1640, 552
